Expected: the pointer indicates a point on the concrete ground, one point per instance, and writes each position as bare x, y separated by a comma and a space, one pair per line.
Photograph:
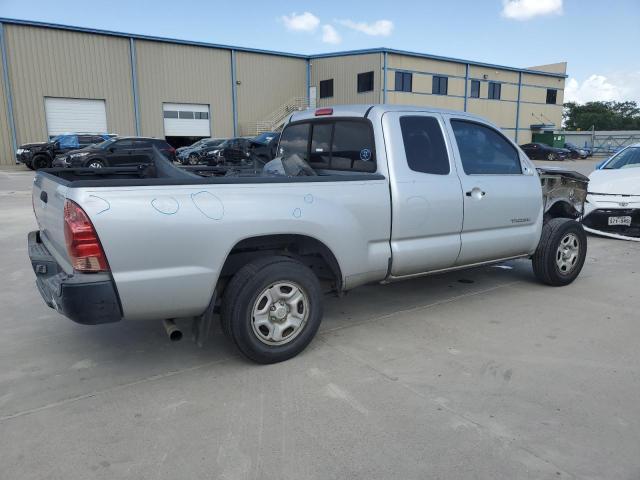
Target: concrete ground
479, 374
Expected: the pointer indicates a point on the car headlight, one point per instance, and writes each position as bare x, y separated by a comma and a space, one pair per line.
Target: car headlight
79, 155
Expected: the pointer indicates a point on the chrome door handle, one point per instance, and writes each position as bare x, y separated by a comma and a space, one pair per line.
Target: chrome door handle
475, 193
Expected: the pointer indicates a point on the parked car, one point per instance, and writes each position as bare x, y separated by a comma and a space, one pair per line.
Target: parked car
119, 151
576, 152
261, 148
540, 151
359, 194
613, 201
195, 153
41, 154
231, 151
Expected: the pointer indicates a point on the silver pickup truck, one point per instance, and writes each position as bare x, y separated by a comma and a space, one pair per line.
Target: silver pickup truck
358, 194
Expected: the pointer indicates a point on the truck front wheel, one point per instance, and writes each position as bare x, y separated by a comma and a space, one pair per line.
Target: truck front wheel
272, 309
561, 252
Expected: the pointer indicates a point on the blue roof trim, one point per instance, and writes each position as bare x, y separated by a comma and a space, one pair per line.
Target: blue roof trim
13, 21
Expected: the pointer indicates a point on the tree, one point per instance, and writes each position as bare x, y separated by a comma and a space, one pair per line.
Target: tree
601, 115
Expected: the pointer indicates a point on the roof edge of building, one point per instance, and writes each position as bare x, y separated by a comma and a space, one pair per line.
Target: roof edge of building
33, 23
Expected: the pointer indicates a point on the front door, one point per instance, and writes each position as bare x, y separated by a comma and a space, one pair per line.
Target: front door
426, 194
502, 195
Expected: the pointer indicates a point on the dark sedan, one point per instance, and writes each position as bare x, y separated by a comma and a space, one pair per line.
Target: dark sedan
540, 151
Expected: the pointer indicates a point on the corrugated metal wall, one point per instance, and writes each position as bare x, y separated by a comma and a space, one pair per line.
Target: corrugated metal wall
7, 155
344, 71
266, 82
45, 62
174, 73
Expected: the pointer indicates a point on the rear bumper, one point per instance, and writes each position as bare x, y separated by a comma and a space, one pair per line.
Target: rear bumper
89, 299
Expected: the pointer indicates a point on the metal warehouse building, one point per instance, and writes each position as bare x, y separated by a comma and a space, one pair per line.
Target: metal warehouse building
58, 78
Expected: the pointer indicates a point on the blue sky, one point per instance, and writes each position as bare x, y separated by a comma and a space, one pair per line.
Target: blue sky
599, 40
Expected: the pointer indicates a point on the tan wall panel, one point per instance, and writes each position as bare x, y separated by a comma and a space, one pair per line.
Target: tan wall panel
493, 74
536, 114
502, 114
539, 95
436, 101
406, 62
44, 62
344, 71
266, 83
171, 73
7, 155
524, 136
542, 81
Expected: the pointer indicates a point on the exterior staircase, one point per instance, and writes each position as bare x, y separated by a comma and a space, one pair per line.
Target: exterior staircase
275, 119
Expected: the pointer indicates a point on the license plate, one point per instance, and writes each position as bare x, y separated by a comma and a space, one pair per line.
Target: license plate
626, 220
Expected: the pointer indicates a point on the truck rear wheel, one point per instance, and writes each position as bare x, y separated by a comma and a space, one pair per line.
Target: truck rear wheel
272, 309
40, 161
561, 252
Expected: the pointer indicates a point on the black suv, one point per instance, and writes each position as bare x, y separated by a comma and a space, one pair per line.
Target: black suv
238, 150
41, 154
119, 151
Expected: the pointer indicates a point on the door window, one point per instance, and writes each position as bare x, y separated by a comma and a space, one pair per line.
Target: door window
424, 145
69, 141
484, 151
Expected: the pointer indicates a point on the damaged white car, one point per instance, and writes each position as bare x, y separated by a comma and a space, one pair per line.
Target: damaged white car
612, 208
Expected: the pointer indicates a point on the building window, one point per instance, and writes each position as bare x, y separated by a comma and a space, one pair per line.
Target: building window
326, 88
201, 115
439, 86
494, 90
475, 89
365, 82
552, 96
170, 114
404, 82
186, 115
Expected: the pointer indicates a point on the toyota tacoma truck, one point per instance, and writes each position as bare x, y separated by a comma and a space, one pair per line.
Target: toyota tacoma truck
357, 195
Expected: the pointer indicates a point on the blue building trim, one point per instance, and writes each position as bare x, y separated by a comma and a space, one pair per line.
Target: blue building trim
384, 79
518, 106
7, 89
234, 93
272, 52
308, 83
134, 84
466, 86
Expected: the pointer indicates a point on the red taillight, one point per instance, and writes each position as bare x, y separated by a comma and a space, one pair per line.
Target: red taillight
324, 111
82, 240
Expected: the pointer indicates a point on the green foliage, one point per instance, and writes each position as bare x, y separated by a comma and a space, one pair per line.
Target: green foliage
602, 115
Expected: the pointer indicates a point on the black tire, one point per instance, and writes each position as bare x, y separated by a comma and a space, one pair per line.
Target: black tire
193, 159
548, 254
40, 161
93, 163
241, 294
552, 157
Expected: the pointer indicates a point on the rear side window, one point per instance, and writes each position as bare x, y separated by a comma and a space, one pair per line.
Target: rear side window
424, 145
484, 151
295, 141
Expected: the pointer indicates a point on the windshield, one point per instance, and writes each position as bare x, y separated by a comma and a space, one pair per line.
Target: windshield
265, 137
105, 144
627, 158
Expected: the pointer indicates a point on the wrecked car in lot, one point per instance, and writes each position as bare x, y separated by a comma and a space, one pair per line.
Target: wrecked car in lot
358, 194
613, 201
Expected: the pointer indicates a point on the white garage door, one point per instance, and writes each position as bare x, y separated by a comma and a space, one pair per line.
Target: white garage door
75, 115
186, 120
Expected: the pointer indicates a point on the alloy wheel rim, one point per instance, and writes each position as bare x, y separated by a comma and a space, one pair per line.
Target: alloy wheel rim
95, 165
280, 313
568, 253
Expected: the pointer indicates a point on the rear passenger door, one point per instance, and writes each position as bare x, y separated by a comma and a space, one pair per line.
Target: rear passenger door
141, 152
502, 195
426, 193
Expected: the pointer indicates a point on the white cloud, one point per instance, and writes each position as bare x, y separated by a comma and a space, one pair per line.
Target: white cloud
382, 28
526, 9
305, 22
620, 86
330, 35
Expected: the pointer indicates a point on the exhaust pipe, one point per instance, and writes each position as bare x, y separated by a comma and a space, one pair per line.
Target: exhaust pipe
173, 331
